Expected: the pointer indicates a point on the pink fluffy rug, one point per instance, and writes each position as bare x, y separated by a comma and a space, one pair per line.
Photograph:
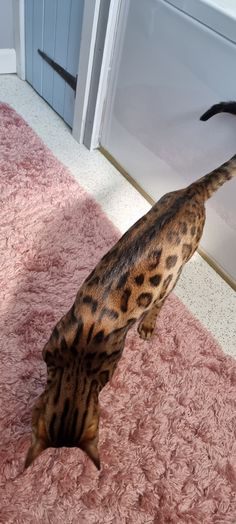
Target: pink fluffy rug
168, 419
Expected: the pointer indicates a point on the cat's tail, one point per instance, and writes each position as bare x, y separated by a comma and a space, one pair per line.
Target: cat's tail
208, 184
222, 107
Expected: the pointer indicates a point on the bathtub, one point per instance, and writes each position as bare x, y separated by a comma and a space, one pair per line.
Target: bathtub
218, 15
197, 8
172, 60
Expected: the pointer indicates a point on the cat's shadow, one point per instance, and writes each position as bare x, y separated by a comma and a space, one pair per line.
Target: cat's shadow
53, 264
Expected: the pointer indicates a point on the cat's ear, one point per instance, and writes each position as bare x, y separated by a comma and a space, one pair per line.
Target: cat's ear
39, 433
35, 450
91, 449
89, 442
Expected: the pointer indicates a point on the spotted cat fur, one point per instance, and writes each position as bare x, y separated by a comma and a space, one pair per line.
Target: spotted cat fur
129, 284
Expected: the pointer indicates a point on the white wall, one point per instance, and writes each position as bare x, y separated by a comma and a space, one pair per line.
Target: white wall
6, 24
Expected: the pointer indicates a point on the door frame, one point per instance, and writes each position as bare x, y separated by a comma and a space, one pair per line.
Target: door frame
107, 25
87, 47
19, 36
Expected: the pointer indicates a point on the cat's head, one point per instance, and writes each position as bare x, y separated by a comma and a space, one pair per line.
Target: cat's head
66, 414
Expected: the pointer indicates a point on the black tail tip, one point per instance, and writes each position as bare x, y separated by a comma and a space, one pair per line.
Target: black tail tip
203, 118
222, 107
208, 114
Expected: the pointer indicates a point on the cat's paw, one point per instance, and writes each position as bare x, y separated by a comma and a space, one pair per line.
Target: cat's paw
145, 330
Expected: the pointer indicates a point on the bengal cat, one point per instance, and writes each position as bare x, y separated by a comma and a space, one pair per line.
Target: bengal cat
129, 284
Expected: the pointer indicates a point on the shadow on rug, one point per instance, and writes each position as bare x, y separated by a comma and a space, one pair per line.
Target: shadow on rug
168, 421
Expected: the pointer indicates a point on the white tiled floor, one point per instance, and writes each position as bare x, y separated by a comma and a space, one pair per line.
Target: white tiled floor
209, 298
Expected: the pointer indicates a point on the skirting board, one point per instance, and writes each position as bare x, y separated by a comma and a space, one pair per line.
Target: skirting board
7, 61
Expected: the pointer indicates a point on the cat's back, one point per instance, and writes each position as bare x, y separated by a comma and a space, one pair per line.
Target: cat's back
145, 262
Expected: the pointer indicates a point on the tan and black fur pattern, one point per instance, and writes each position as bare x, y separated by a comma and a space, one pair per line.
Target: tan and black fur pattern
129, 284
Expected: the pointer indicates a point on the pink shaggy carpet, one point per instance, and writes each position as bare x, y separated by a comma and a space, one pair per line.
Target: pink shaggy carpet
168, 420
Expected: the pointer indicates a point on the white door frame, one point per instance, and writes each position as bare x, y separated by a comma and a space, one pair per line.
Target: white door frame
87, 46
88, 75
19, 36
100, 76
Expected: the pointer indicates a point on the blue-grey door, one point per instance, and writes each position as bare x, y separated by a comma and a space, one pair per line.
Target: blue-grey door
54, 26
